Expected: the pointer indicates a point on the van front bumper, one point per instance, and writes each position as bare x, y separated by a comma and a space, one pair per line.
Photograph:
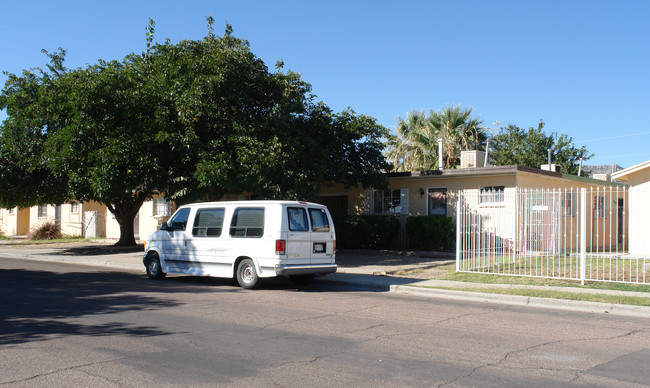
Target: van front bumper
321, 269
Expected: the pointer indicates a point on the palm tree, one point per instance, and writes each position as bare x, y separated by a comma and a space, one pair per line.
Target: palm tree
406, 150
458, 130
415, 147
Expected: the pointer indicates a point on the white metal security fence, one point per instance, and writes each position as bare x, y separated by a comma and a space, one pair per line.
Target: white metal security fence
593, 234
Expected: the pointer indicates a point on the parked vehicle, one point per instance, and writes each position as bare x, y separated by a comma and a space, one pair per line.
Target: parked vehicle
261, 239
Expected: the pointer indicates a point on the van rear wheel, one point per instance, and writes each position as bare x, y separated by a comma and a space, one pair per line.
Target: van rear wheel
301, 280
246, 274
154, 269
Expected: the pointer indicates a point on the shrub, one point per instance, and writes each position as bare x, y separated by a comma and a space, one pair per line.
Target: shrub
430, 232
366, 232
45, 231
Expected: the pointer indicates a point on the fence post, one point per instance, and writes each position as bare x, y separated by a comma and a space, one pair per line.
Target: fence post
458, 225
583, 235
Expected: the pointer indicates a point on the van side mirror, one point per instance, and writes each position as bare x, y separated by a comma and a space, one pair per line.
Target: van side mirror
166, 227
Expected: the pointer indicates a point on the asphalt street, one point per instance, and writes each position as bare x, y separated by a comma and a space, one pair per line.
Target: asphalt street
77, 325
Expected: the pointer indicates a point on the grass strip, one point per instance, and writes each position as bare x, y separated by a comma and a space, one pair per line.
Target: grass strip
522, 280
602, 298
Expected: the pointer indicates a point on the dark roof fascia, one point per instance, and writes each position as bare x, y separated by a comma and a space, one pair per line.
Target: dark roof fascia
476, 171
498, 170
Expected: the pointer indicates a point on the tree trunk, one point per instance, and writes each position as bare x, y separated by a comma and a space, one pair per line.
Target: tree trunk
125, 219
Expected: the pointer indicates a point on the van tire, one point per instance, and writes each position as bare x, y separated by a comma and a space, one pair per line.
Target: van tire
301, 280
154, 269
246, 274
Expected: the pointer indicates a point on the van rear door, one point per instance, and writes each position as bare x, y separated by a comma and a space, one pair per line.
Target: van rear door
322, 236
299, 236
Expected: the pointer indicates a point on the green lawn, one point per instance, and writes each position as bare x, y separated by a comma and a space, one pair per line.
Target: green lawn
489, 279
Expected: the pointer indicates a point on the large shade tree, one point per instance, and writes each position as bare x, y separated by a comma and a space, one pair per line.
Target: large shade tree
513, 145
195, 120
415, 144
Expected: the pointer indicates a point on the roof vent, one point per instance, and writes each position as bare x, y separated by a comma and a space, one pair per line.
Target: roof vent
552, 167
472, 159
603, 177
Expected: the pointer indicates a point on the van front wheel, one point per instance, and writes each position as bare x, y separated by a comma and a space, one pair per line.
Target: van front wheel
154, 269
246, 274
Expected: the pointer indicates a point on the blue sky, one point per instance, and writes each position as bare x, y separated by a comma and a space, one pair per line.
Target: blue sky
581, 66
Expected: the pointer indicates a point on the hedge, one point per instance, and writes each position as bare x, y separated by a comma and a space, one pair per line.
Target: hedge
366, 232
429, 232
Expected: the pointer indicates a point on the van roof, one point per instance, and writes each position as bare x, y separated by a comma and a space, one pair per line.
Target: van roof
253, 203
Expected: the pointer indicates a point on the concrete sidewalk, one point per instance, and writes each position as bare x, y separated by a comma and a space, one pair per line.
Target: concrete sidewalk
373, 270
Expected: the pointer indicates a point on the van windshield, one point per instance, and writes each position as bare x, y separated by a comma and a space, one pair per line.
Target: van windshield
319, 221
179, 220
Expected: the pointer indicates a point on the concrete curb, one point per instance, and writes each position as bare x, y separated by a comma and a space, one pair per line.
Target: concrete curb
517, 300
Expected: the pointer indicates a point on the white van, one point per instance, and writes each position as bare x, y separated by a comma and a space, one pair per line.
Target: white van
246, 240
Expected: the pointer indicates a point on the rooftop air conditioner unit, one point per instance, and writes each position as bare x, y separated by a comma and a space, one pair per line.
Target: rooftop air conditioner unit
472, 159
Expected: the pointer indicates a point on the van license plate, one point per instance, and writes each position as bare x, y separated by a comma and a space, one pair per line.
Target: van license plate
320, 247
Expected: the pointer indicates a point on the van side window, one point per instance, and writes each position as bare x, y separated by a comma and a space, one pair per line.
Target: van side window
208, 223
319, 221
247, 222
297, 217
179, 220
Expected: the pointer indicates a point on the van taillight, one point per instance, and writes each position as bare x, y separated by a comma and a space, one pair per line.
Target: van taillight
280, 247
334, 247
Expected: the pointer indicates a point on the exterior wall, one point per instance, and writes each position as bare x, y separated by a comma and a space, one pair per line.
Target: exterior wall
639, 213
418, 203
71, 222
149, 221
144, 223
8, 222
35, 221
639, 217
112, 227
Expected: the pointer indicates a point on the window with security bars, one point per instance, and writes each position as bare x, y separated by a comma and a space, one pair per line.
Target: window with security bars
42, 211
162, 208
568, 204
492, 194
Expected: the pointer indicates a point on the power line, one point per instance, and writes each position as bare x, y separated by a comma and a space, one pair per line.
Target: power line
613, 137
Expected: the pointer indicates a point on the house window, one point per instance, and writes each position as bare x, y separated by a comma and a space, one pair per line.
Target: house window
162, 207
492, 194
389, 201
599, 207
42, 211
75, 207
437, 201
568, 204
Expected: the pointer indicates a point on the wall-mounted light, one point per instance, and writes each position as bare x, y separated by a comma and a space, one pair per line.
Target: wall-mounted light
421, 192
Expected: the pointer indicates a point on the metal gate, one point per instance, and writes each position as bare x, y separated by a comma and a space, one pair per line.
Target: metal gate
579, 234
90, 224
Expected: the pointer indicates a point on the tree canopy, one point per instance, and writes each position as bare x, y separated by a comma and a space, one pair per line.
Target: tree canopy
415, 145
194, 120
515, 146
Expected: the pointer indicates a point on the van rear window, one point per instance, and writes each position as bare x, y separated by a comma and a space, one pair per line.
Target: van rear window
208, 223
319, 221
297, 219
247, 222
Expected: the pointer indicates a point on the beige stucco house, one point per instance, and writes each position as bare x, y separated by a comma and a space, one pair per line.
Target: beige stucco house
14, 221
435, 192
638, 177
